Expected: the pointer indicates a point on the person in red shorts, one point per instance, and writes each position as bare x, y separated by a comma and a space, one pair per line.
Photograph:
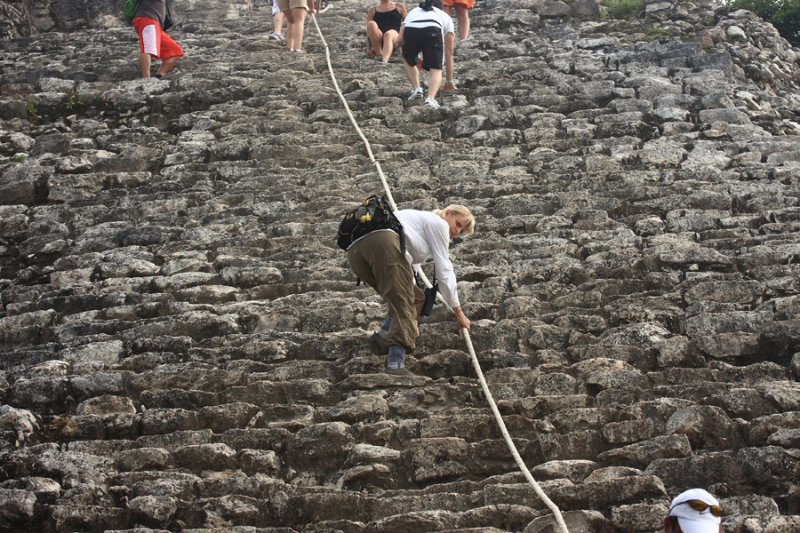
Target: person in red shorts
151, 20
462, 8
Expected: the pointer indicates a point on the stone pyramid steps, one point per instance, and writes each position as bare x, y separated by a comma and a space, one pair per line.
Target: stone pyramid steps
176, 313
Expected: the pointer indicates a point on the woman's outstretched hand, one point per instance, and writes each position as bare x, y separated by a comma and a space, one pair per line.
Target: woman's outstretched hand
463, 321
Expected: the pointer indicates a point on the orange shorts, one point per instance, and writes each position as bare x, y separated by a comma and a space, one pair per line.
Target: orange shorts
154, 41
469, 4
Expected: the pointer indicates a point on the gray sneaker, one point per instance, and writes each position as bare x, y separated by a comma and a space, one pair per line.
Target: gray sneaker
416, 94
377, 344
402, 371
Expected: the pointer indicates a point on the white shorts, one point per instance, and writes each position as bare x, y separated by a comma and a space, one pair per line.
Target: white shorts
149, 41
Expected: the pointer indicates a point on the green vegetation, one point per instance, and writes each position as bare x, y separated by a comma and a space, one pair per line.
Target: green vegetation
33, 113
655, 34
783, 14
72, 101
623, 9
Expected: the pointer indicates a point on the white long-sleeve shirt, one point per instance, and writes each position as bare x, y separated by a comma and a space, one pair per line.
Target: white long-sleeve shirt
428, 235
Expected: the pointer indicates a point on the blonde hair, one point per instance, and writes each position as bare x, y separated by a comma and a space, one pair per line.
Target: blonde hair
458, 209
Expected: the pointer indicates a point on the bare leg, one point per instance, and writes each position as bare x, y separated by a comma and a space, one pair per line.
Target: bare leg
449, 44
167, 64
389, 42
434, 82
374, 37
413, 74
277, 22
294, 36
462, 15
144, 65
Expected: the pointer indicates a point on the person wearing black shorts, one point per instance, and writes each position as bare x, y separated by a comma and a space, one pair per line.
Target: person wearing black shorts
429, 30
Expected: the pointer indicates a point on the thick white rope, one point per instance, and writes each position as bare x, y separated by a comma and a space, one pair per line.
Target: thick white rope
464, 332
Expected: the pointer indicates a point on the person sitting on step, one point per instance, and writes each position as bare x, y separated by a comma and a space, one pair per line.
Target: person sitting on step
383, 28
377, 259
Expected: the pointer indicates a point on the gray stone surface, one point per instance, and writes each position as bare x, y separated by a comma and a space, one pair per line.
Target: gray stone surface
183, 347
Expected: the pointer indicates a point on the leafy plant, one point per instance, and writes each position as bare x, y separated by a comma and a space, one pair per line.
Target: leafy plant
72, 101
783, 14
32, 111
654, 34
623, 9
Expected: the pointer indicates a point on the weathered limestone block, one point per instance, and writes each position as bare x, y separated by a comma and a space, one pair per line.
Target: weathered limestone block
106, 405
437, 458
445, 363
21, 422
760, 429
576, 470
730, 345
645, 452
605, 494
581, 444
14, 220
157, 421
784, 394
574, 520
555, 384
746, 403
141, 459
470, 426
362, 408
629, 431
169, 484
154, 510
663, 152
787, 438
44, 394
705, 426
260, 462
258, 438
94, 356
27, 329
216, 456
220, 418
699, 470
79, 516
340, 505
639, 517
772, 463
321, 446
586, 418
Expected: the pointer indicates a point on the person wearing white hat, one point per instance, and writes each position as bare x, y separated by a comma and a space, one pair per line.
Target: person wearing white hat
693, 511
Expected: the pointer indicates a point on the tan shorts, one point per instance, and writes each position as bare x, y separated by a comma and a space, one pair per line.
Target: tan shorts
286, 5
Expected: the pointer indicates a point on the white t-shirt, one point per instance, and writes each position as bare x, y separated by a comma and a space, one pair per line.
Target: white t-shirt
419, 18
428, 235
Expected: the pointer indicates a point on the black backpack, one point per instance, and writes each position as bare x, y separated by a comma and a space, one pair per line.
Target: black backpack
373, 213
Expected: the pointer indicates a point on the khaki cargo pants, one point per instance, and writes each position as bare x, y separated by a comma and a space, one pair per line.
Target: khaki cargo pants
377, 260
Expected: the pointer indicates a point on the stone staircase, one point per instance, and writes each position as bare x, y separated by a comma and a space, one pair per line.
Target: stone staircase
182, 345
